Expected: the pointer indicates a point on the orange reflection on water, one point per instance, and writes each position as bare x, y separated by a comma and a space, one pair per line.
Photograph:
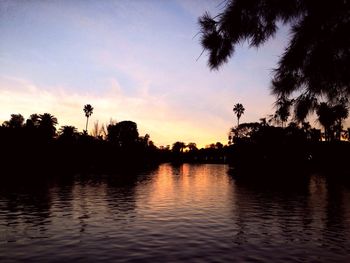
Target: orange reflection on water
184, 188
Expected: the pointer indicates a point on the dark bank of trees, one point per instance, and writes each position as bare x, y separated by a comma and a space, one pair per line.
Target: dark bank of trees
261, 147
182, 152
36, 144
312, 75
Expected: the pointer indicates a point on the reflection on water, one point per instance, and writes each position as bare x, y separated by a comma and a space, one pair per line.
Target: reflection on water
174, 213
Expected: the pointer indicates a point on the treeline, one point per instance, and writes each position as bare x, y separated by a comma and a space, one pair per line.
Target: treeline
292, 146
260, 146
181, 152
35, 144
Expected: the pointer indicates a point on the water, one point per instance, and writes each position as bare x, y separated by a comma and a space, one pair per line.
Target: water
194, 213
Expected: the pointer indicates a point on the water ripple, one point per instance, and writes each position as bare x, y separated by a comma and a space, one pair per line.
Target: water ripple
195, 213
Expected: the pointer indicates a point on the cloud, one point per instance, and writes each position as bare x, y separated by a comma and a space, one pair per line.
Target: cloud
152, 114
131, 61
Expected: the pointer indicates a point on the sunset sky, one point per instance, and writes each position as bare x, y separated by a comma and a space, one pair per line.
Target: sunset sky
131, 60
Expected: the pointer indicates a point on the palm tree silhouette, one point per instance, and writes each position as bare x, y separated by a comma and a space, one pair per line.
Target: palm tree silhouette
283, 107
192, 146
326, 118
331, 116
68, 131
238, 109
88, 112
34, 119
47, 123
16, 121
341, 112
178, 147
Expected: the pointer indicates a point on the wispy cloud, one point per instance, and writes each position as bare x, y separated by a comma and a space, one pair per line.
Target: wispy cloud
131, 61
153, 115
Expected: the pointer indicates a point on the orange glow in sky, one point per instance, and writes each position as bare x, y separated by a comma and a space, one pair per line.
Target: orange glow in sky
131, 60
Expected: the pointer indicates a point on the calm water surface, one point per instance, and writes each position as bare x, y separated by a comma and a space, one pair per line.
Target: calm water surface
195, 213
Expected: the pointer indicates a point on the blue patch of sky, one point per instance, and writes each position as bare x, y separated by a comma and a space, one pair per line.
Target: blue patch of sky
55, 43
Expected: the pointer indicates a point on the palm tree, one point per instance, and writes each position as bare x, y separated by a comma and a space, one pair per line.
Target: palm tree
331, 117
192, 146
303, 105
283, 108
238, 109
47, 123
341, 112
88, 112
16, 121
33, 121
68, 131
326, 118
178, 147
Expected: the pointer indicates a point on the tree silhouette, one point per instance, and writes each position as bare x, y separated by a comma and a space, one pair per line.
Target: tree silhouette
326, 118
341, 112
47, 123
123, 134
244, 130
88, 109
304, 104
67, 132
238, 109
33, 121
283, 109
192, 146
317, 58
16, 121
178, 147
145, 140
99, 131
219, 145
331, 117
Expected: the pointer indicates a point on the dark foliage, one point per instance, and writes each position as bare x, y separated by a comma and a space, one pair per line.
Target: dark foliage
88, 110
34, 147
238, 109
271, 150
316, 61
123, 134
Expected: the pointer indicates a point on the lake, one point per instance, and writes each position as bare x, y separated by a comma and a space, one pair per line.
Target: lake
193, 213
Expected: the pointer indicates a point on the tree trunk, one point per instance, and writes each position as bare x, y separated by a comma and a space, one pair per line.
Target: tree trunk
87, 121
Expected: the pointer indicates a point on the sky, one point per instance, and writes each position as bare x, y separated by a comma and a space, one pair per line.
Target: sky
131, 60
